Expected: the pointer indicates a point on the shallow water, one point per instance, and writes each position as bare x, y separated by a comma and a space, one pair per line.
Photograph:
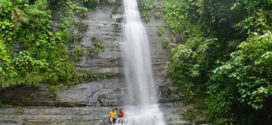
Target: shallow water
76, 115
143, 115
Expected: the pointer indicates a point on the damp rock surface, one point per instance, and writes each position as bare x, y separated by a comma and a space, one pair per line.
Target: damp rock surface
96, 93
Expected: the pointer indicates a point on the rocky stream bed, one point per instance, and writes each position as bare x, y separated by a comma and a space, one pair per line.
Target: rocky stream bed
41, 115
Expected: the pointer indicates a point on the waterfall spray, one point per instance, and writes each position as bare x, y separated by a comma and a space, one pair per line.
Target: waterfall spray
141, 101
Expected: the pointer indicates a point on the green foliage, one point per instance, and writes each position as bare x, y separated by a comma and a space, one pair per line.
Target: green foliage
190, 115
116, 4
2, 105
259, 19
78, 51
157, 15
53, 90
97, 46
165, 42
225, 64
93, 4
20, 111
249, 71
175, 15
43, 56
28, 70
82, 27
6, 68
160, 31
146, 15
182, 70
146, 7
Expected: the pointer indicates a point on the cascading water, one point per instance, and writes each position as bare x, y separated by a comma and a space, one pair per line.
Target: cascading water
141, 102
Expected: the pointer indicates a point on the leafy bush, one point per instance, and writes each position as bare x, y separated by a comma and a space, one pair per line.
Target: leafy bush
160, 31
6, 68
93, 4
2, 105
146, 7
43, 56
53, 90
78, 51
20, 111
82, 27
117, 4
97, 46
175, 15
165, 42
190, 114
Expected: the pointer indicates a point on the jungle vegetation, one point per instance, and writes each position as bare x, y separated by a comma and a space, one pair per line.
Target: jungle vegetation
224, 64
34, 35
41, 55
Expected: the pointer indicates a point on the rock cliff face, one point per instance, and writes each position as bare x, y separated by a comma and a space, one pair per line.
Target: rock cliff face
106, 27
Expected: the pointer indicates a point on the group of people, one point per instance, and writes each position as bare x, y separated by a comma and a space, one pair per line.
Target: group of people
114, 115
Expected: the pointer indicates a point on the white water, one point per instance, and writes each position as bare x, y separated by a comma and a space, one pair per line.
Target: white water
141, 102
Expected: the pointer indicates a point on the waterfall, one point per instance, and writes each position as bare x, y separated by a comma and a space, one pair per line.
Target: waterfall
141, 101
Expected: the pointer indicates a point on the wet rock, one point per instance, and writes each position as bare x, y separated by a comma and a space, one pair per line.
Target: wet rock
26, 96
105, 27
97, 93
160, 57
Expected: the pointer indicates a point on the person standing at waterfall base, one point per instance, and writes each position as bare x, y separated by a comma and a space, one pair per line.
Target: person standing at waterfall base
112, 116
